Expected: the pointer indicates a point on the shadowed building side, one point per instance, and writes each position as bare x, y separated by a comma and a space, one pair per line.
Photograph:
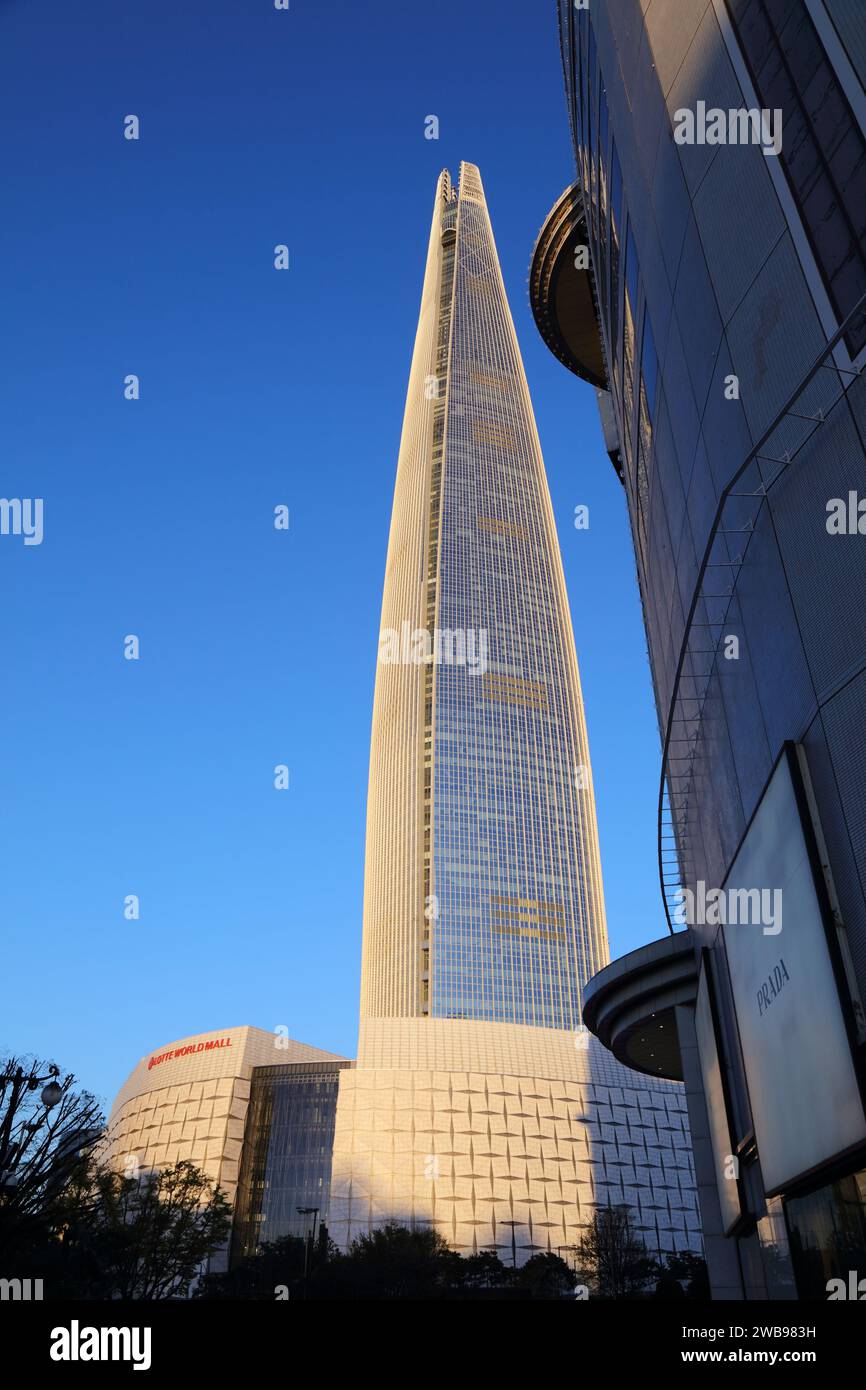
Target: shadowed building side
719, 220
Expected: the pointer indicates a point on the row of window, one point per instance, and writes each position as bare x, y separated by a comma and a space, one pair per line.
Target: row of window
823, 149
617, 277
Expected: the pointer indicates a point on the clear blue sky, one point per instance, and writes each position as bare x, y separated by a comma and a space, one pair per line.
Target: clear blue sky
258, 387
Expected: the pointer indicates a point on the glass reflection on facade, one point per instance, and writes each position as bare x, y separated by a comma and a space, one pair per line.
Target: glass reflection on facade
824, 150
288, 1143
827, 1235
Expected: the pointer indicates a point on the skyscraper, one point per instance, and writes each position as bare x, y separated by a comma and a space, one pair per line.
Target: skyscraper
483, 891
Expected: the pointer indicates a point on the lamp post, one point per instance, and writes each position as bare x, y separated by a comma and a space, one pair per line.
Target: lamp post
19, 1081
314, 1212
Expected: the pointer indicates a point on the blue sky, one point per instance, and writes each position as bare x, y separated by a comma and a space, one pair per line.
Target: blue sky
258, 387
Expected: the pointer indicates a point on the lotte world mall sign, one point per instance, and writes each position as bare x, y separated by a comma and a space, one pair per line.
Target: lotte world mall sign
185, 1051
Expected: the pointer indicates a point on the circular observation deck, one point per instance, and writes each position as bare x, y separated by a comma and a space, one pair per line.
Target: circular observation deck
630, 1005
562, 296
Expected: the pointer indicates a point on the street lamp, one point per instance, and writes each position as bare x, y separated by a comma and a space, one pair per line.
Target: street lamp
314, 1212
11, 1150
52, 1094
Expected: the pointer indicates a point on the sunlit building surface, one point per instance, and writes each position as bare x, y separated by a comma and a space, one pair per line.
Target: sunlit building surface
483, 895
720, 150
507, 1138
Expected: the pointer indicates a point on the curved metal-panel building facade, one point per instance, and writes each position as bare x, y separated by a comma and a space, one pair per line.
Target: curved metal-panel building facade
720, 148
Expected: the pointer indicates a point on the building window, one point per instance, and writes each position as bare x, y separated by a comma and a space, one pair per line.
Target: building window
286, 1160
628, 342
827, 1237
823, 148
615, 230
603, 202
648, 378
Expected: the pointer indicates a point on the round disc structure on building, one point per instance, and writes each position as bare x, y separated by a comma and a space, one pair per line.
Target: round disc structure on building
561, 290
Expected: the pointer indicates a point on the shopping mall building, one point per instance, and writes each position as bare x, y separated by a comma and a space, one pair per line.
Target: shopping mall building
501, 1137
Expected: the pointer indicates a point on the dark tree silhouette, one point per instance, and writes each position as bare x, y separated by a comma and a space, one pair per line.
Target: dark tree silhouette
690, 1271
547, 1276
45, 1127
276, 1271
485, 1271
396, 1262
391, 1261
612, 1259
142, 1237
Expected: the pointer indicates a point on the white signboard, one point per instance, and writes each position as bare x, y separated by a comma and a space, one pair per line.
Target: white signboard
803, 1089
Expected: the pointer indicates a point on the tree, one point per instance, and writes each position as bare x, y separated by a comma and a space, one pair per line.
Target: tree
612, 1259
45, 1127
276, 1265
546, 1276
668, 1285
143, 1237
691, 1272
393, 1261
277, 1270
485, 1271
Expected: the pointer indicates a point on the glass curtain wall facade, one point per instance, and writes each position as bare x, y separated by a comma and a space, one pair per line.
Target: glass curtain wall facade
827, 1232
729, 290
287, 1153
483, 896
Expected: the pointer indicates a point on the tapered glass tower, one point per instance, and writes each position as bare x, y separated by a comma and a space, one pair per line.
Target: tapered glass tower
483, 895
